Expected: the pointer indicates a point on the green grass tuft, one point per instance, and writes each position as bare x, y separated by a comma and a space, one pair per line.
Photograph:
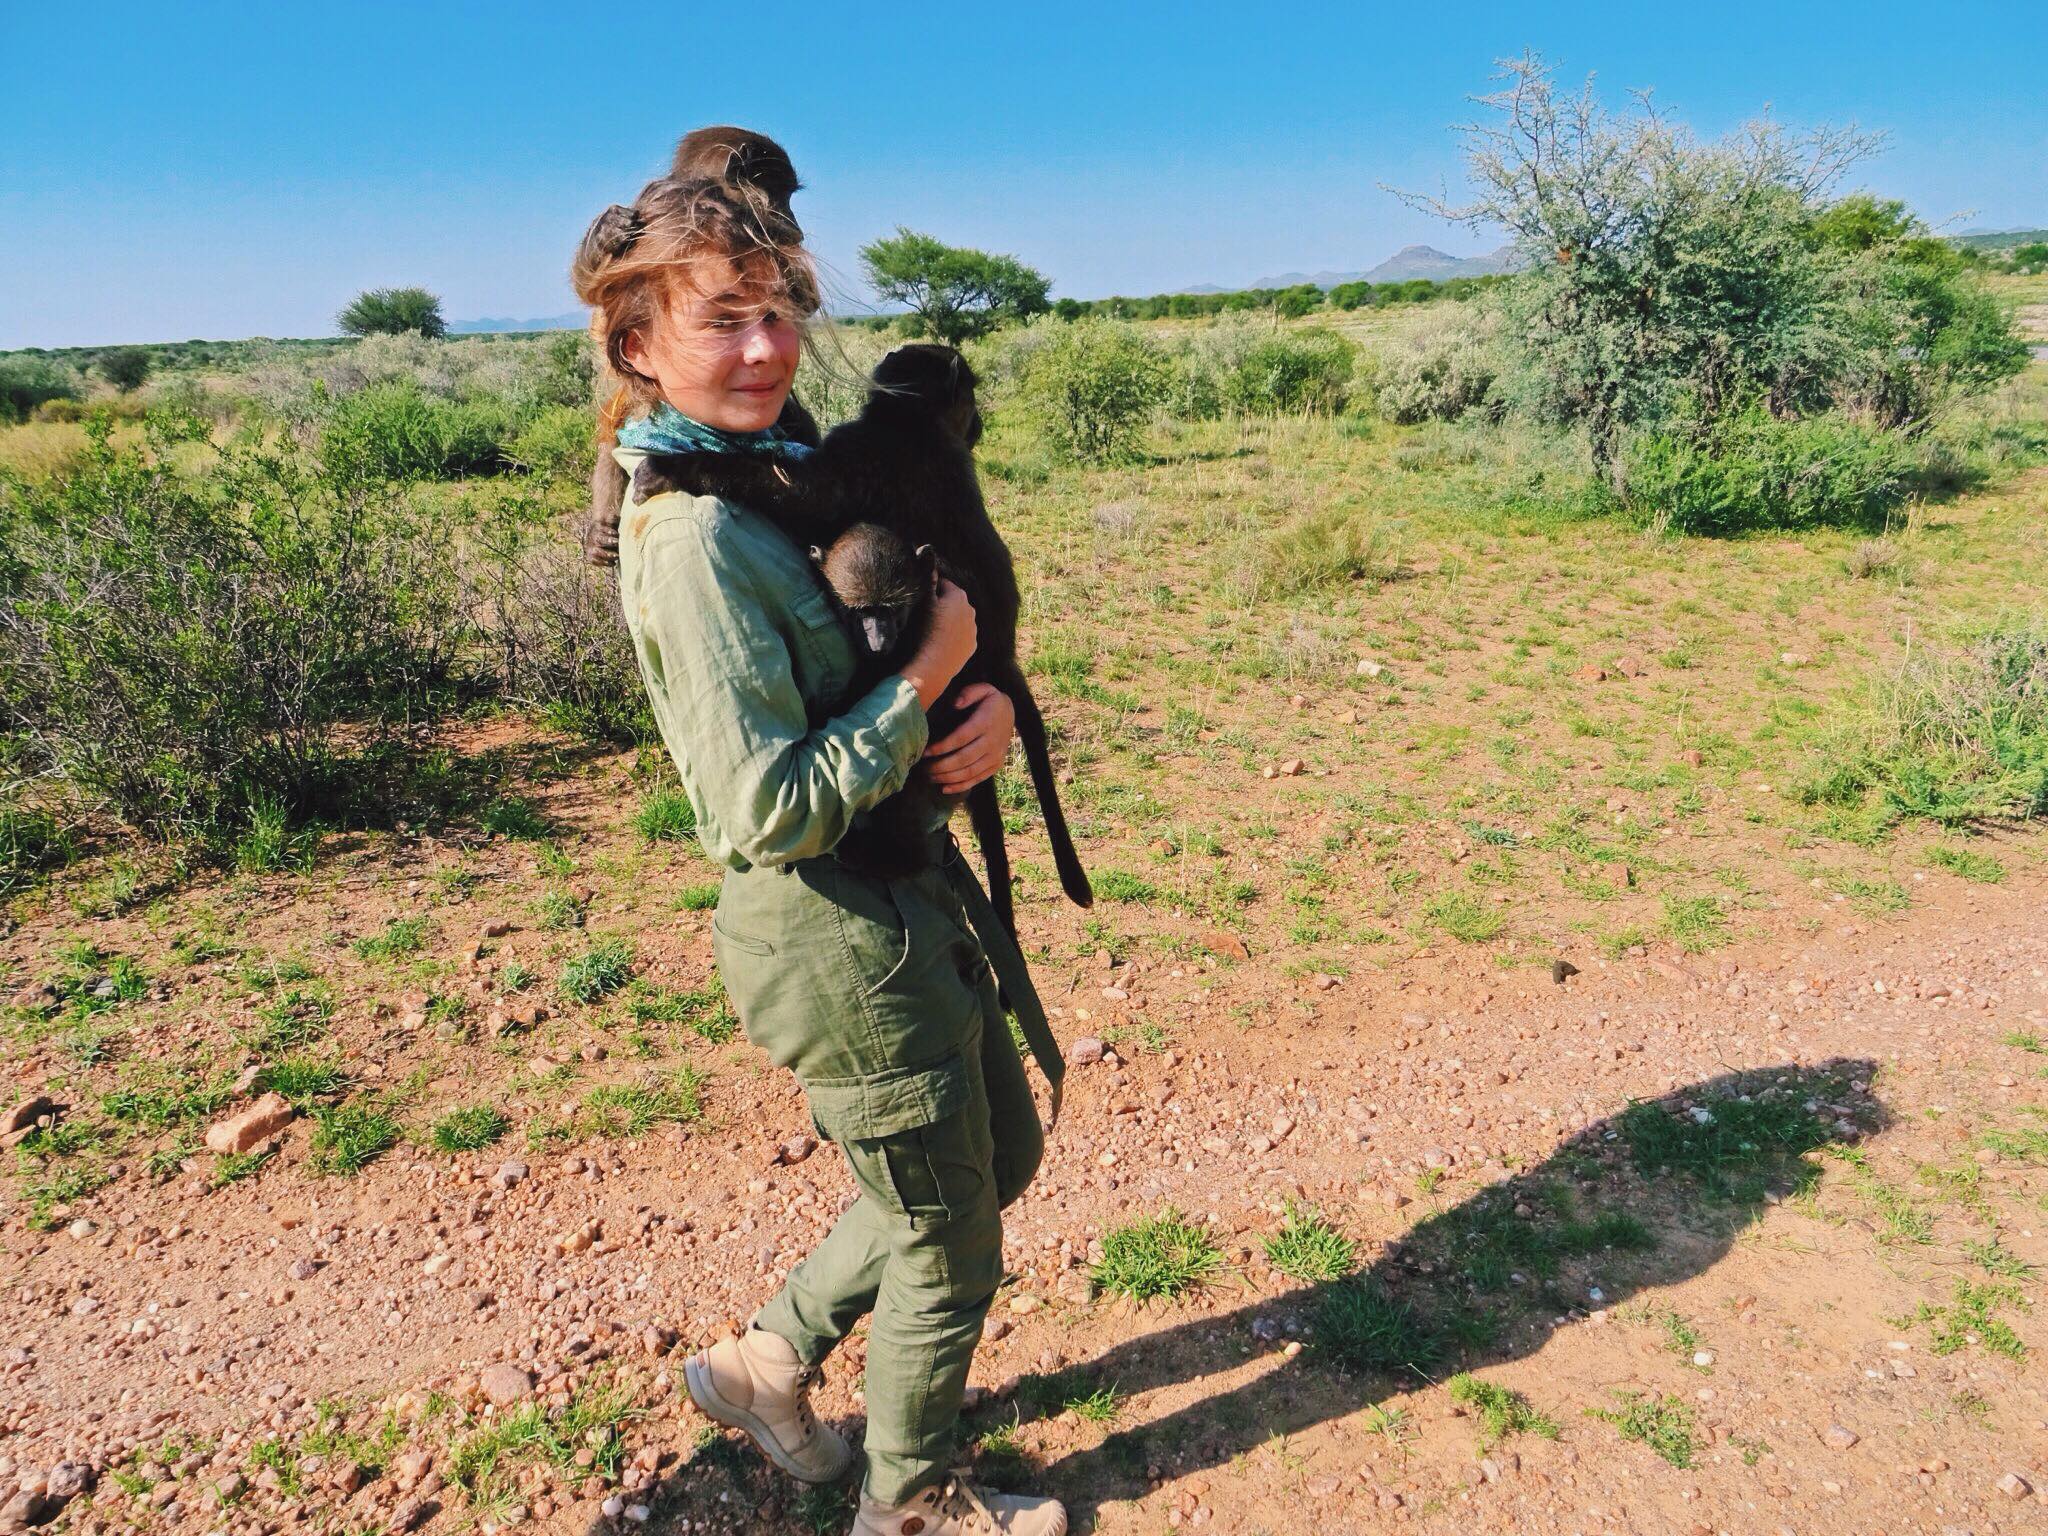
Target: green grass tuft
348, 1138
1307, 1247
666, 816
402, 937
468, 1130
1661, 1422
1368, 1329
1501, 1413
598, 972
1163, 1255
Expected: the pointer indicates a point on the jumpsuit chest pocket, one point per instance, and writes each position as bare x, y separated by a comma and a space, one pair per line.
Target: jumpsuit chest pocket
821, 651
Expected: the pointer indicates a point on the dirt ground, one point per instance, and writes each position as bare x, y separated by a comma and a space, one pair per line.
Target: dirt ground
160, 1335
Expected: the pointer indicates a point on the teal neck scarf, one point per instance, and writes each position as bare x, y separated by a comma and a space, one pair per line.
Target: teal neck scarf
667, 430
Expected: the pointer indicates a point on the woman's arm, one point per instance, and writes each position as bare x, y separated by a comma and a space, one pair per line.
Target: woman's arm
718, 675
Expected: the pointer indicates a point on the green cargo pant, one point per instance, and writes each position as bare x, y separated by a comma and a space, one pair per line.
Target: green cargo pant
878, 995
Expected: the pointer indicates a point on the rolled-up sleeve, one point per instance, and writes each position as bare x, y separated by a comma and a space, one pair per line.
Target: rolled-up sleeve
719, 673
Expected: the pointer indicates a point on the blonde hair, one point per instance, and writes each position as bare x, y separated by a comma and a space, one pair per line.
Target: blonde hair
635, 258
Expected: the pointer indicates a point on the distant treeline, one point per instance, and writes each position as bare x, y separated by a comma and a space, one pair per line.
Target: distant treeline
1289, 303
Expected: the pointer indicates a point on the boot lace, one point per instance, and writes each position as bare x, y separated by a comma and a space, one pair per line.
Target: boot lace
961, 1500
807, 1416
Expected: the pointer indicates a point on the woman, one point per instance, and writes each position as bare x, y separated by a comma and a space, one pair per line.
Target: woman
877, 993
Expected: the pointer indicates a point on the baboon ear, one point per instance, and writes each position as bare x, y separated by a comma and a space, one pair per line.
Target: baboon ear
926, 556
817, 555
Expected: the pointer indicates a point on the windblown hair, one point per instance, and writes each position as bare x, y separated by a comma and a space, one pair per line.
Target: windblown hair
636, 258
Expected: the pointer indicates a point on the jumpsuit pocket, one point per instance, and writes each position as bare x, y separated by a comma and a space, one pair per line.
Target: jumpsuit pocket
872, 925
744, 941
933, 1174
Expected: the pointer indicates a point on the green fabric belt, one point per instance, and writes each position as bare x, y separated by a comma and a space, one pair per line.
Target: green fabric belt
1008, 962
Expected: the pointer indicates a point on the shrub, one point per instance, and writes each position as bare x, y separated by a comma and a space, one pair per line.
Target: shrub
1955, 736
181, 643
1093, 386
1296, 370
27, 382
556, 442
1440, 373
551, 624
397, 431
1754, 472
391, 310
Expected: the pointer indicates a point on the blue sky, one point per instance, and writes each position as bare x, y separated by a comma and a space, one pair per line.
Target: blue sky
218, 170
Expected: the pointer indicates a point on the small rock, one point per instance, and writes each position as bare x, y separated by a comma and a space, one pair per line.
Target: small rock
796, 1149
505, 1383
1292, 768
258, 1123
497, 928
1840, 1437
2013, 1486
509, 1174
1225, 944
1084, 1051
67, 1480
412, 1514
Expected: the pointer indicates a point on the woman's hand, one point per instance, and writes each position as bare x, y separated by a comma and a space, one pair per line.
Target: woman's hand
974, 749
948, 642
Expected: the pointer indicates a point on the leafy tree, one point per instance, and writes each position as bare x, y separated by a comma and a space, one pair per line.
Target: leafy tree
955, 292
389, 311
126, 368
1669, 277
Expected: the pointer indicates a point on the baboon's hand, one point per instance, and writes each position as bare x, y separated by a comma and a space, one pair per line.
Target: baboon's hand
601, 538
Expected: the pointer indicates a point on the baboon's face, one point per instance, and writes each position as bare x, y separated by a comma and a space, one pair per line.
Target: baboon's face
881, 582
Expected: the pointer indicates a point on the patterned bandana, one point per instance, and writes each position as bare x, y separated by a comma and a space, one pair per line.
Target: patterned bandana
668, 430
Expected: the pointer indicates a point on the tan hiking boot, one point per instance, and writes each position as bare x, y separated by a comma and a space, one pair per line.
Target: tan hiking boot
756, 1383
953, 1506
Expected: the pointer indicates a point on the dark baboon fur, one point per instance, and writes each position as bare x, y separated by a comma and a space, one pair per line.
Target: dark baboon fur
906, 466
720, 153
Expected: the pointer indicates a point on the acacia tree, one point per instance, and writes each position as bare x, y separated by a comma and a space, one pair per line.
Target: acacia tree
126, 368
954, 291
1657, 265
378, 311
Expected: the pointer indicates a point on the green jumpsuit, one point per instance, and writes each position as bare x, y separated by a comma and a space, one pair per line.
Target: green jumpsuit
880, 994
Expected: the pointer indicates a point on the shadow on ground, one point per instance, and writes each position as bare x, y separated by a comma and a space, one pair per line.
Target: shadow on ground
1645, 1198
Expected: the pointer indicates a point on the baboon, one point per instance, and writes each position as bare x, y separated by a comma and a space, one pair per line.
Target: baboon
721, 153
905, 467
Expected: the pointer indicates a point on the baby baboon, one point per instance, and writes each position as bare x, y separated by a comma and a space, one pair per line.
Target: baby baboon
722, 153
904, 466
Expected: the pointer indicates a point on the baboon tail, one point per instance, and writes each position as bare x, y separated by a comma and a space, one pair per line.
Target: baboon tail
1031, 731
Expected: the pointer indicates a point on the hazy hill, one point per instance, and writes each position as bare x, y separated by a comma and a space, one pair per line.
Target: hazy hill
570, 322
1411, 261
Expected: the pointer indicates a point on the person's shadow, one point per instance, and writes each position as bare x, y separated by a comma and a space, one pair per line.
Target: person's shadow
1647, 1197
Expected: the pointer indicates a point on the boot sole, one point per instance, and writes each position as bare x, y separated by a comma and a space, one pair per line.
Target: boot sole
697, 1378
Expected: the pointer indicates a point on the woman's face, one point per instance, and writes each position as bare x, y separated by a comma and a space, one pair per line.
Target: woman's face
719, 356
